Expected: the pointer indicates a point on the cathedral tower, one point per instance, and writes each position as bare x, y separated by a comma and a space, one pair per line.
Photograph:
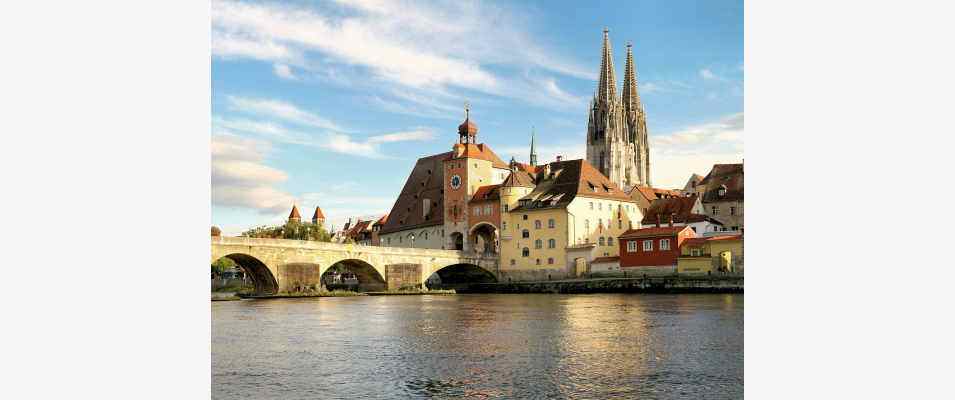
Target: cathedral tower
616, 127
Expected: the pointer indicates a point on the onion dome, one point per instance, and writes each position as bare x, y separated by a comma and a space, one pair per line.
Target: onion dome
468, 129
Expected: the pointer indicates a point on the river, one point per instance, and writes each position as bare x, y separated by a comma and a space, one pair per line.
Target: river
543, 346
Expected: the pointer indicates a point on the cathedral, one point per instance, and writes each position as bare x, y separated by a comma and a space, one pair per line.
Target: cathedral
617, 143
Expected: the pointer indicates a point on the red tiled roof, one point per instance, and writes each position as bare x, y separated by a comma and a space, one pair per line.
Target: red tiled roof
518, 178
680, 207
653, 232
318, 213
426, 181
294, 213
489, 192
382, 220
567, 180
728, 175
480, 151
699, 241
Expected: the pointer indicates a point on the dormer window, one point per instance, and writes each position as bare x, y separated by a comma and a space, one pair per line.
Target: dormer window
722, 191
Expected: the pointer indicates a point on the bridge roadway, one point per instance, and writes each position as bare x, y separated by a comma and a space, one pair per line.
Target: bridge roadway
281, 265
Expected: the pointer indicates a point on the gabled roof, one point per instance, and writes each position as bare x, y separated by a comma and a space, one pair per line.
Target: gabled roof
691, 183
489, 192
680, 207
518, 178
426, 181
566, 180
653, 232
382, 220
728, 175
480, 151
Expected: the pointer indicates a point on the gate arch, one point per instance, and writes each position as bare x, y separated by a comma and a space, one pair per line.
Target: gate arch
262, 277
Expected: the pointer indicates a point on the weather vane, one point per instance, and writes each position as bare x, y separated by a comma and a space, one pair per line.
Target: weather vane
467, 110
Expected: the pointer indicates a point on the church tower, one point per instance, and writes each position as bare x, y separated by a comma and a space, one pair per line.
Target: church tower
533, 158
616, 126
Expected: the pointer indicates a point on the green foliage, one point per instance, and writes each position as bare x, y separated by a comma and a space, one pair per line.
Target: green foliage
291, 230
221, 265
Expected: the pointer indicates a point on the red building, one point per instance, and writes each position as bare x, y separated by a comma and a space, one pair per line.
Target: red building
652, 249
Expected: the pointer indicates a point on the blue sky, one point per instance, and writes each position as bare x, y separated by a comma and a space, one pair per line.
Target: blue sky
330, 103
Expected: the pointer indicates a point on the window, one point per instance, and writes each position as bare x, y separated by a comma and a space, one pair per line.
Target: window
525, 252
629, 224
550, 260
619, 224
525, 234
735, 228
664, 244
591, 205
695, 252
477, 211
389, 240
647, 245
487, 209
525, 217
587, 225
550, 223
538, 244
426, 236
503, 226
715, 210
505, 208
601, 241
600, 206
551, 243
513, 261
609, 240
538, 261
631, 246
537, 224
722, 191
732, 210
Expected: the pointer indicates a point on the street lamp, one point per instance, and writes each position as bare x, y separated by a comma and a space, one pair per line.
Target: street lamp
412, 240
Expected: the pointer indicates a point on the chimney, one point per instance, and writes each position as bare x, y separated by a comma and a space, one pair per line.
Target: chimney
559, 157
658, 220
671, 219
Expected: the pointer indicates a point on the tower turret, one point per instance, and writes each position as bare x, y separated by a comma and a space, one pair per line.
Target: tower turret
294, 215
533, 158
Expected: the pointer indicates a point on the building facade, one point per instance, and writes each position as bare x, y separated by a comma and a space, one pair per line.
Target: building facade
709, 255
617, 139
722, 195
653, 250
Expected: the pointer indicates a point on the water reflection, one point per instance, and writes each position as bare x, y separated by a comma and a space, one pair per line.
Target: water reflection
480, 346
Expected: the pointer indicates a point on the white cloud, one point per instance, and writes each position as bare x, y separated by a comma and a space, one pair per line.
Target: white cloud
239, 179
282, 110
414, 46
706, 74
421, 134
344, 144
284, 71
695, 149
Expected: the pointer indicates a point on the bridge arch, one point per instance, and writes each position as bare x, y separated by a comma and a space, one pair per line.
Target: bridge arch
262, 277
459, 276
369, 277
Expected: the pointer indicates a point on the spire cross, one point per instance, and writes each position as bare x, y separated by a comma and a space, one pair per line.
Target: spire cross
467, 110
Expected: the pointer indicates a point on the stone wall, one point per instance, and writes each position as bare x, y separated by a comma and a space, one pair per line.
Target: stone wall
403, 276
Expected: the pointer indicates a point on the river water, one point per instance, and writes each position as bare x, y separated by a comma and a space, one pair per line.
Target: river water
543, 346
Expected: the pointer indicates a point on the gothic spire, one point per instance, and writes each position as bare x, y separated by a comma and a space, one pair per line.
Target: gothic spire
607, 86
631, 98
533, 152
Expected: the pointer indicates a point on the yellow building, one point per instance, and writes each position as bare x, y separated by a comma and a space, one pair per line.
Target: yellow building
715, 254
559, 216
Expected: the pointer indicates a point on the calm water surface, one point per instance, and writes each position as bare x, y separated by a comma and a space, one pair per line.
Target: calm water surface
480, 346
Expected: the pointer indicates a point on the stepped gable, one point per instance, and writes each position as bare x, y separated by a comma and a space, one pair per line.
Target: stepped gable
559, 182
426, 181
729, 175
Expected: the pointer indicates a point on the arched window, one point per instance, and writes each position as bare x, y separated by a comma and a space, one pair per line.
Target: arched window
722, 191
525, 234
550, 260
551, 243
526, 252
550, 223
537, 224
538, 244
602, 241
609, 241
538, 261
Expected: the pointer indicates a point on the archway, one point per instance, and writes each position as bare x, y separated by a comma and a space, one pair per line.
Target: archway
459, 276
457, 241
355, 275
484, 238
262, 277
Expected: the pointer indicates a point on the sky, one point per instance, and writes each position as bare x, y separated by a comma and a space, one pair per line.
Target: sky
330, 103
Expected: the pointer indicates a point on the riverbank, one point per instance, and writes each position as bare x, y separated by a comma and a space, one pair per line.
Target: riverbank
659, 284
346, 293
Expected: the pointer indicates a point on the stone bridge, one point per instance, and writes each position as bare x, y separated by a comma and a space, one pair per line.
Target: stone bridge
280, 265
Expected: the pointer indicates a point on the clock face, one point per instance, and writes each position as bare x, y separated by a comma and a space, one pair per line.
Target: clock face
455, 182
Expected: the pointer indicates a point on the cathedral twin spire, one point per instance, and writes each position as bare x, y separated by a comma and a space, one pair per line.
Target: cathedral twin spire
607, 87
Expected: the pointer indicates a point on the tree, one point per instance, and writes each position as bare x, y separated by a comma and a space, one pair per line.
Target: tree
291, 230
222, 265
